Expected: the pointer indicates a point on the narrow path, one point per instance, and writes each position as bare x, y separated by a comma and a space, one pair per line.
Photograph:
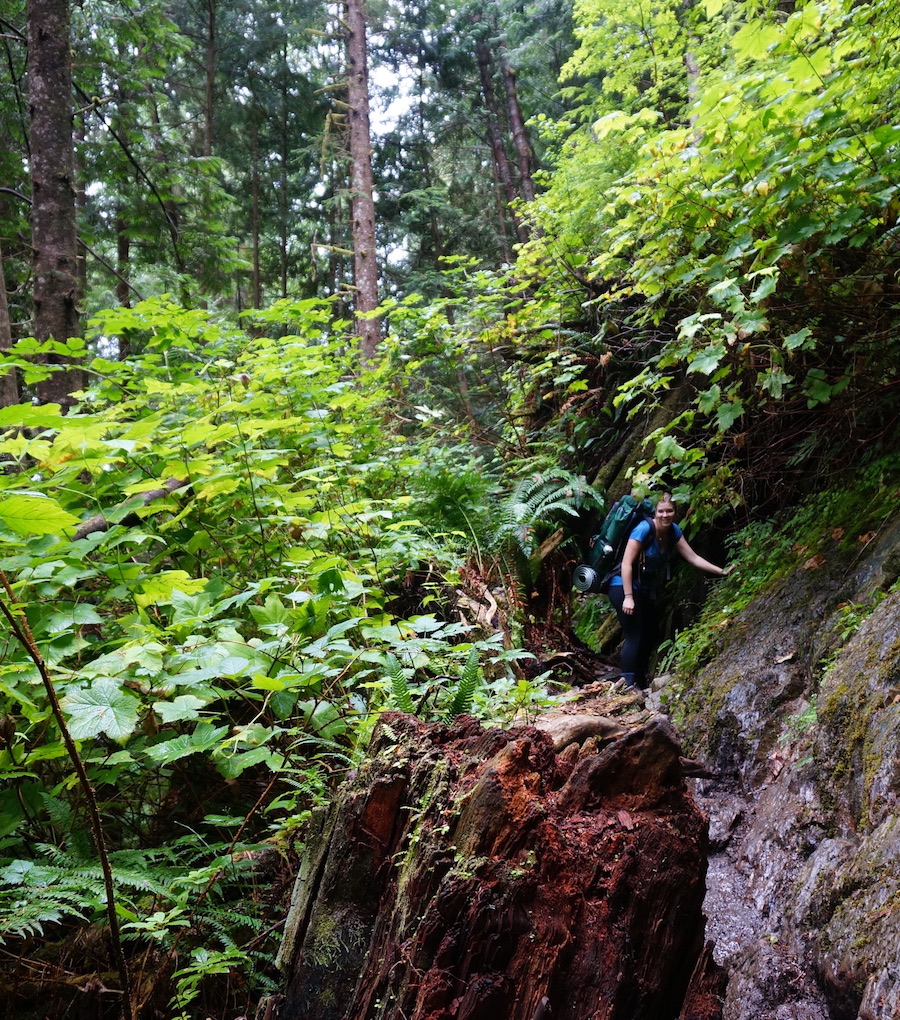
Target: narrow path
768, 979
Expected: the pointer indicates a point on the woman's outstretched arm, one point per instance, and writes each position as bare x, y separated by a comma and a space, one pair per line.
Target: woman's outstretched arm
695, 560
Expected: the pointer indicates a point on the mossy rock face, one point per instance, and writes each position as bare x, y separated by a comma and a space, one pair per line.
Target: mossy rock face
764, 664
799, 715
771, 653
849, 902
878, 567
858, 742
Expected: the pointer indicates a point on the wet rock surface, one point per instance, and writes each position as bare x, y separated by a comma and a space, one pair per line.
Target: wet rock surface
798, 717
766, 979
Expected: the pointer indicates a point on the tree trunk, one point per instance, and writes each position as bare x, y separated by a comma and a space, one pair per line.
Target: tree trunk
123, 269
53, 232
524, 154
211, 61
490, 874
123, 261
362, 203
256, 287
9, 389
495, 138
502, 211
283, 204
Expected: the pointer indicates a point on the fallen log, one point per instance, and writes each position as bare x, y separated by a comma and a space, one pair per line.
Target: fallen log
471, 874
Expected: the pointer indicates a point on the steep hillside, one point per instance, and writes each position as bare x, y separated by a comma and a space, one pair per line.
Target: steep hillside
789, 687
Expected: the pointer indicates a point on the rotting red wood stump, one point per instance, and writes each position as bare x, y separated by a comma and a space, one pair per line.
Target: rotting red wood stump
473, 874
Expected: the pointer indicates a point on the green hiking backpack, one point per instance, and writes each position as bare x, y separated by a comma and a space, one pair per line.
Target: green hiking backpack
607, 547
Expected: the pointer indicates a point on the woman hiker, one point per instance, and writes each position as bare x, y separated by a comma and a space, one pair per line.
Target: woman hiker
633, 590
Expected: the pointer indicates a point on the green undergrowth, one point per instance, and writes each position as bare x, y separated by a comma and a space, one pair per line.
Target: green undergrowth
838, 522
217, 571
591, 613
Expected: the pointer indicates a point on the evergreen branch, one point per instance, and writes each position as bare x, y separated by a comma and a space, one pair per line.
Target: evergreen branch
94, 254
173, 228
107, 265
18, 35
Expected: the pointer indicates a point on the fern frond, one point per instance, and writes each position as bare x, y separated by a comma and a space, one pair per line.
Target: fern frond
32, 895
140, 870
399, 685
231, 927
541, 498
24, 918
471, 679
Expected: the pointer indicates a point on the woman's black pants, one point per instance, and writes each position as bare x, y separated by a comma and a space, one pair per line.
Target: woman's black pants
640, 631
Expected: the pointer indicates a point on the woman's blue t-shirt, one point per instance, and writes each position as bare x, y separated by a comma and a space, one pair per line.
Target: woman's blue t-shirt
653, 559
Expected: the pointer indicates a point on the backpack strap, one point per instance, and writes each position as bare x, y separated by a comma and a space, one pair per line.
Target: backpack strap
616, 569
647, 542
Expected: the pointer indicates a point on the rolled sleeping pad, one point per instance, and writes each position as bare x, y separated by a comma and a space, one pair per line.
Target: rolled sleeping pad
585, 578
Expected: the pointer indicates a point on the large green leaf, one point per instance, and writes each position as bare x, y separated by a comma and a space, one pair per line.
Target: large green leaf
728, 414
31, 513
204, 738
161, 588
104, 707
31, 416
185, 706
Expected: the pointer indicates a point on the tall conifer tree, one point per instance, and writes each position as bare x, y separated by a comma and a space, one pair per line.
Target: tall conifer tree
365, 266
54, 238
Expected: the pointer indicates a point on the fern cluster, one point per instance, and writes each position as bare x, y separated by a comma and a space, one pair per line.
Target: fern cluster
544, 499
200, 899
64, 884
445, 704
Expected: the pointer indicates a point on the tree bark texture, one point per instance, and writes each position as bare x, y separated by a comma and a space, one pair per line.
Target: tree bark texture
471, 874
365, 266
54, 237
9, 389
524, 153
495, 138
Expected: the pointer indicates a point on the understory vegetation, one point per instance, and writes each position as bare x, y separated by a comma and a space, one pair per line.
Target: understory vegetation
242, 545
215, 575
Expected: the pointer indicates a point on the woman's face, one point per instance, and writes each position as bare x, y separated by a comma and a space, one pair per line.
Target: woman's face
665, 512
